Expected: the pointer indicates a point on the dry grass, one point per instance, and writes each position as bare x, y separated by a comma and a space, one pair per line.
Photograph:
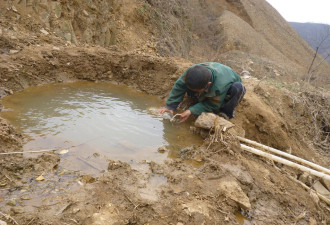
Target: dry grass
316, 106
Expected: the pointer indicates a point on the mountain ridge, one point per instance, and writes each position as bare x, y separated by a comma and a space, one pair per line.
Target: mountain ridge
313, 34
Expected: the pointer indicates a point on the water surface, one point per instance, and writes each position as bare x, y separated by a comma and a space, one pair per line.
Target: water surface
95, 122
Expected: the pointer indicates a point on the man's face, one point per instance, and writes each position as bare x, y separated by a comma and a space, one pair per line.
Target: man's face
201, 90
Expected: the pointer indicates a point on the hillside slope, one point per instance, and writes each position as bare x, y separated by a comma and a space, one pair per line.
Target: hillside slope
233, 32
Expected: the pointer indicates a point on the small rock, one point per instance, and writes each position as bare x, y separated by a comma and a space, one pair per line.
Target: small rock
44, 31
85, 13
9, 91
40, 178
96, 154
25, 197
276, 73
75, 210
196, 206
88, 179
13, 51
162, 149
56, 48
2, 222
64, 151
230, 188
14, 9
198, 158
179, 223
113, 165
17, 210
186, 153
12, 202
306, 179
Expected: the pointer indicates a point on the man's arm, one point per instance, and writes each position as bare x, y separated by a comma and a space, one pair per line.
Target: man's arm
177, 94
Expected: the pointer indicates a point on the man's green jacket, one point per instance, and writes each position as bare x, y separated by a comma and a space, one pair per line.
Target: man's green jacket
213, 97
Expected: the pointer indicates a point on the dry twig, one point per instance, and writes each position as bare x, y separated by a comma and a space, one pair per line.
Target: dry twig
8, 218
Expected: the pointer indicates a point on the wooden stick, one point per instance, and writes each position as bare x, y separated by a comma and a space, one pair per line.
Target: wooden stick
285, 162
287, 155
49, 150
12, 153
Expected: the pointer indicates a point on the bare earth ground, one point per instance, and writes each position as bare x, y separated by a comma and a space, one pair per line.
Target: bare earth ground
215, 193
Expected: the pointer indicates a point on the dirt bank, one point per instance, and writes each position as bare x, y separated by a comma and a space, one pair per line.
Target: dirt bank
128, 196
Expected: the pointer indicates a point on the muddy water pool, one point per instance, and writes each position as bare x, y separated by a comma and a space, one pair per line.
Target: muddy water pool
95, 122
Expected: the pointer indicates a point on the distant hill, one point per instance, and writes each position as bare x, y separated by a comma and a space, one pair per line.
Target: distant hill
314, 33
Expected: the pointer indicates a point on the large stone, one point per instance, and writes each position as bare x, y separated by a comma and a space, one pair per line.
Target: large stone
205, 120
326, 183
239, 172
208, 120
230, 188
321, 189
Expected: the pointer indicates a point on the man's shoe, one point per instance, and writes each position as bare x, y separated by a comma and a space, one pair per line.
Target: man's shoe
223, 115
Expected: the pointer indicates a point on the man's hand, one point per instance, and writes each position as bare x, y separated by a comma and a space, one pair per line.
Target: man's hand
184, 116
163, 110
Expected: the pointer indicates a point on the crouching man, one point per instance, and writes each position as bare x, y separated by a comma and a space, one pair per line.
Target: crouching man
211, 86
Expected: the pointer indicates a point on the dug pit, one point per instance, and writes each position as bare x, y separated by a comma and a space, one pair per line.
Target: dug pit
91, 122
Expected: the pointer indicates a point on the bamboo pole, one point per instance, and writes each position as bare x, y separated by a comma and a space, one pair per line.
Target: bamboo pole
287, 155
285, 162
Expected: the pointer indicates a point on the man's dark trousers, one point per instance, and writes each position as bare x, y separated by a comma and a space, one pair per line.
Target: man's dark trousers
234, 96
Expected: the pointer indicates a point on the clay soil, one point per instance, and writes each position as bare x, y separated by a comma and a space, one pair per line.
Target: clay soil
273, 115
